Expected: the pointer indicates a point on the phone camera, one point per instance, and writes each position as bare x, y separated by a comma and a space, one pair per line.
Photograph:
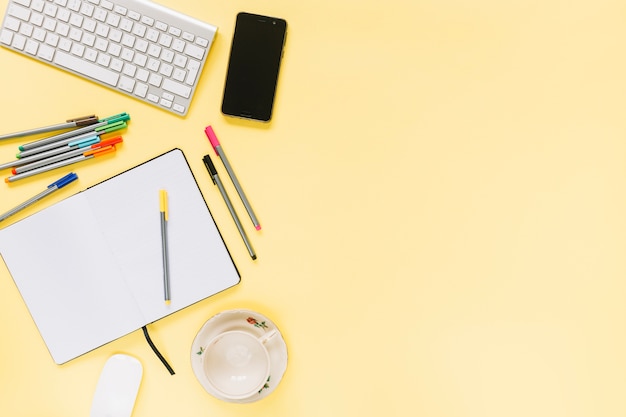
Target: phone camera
273, 22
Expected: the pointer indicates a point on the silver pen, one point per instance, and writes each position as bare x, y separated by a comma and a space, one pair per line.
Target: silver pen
216, 180
220, 152
69, 124
165, 252
51, 188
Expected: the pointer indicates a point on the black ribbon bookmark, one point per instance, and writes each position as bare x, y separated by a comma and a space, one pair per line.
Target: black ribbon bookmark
156, 351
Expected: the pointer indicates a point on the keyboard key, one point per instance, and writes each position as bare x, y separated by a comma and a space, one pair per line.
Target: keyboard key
104, 60
116, 65
50, 10
165, 40
65, 44
39, 34
194, 51
141, 89
64, 15
89, 39
130, 70
193, 67
63, 29
73, 5
31, 47
101, 44
165, 103
139, 30
75, 34
100, 14
179, 75
102, 30
89, 25
19, 12
26, 29
115, 35
126, 84
166, 70
76, 20
91, 55
36, 19
142, 75
188, 36
19, 42
176, 88
6, 36
52, 39
87, 9
127, 54
155, 80
107, 4
49, 24
45, 52
37, 5
78, 49
126, 24
12, 24
152, 35
113, 20
180, 60
83, 67
114, 49
140, 60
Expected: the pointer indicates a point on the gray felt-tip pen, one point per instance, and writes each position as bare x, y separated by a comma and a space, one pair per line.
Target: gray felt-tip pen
220, 152
69, 124
216, 180
51, 188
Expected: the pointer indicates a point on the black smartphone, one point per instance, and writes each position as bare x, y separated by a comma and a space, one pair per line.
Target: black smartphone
253, 66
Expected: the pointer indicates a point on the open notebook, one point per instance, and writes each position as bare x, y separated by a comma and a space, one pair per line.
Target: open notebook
90, 269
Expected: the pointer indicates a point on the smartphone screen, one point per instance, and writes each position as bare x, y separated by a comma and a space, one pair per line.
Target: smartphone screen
253, 66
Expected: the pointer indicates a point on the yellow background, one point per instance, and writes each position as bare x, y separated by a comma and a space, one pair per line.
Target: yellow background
442, 193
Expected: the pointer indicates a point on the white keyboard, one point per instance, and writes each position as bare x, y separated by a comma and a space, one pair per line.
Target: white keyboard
137, 47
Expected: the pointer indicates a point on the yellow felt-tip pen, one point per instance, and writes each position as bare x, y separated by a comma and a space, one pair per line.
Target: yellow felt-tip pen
166, 266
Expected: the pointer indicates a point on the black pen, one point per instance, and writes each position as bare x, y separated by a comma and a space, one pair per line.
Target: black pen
216, 180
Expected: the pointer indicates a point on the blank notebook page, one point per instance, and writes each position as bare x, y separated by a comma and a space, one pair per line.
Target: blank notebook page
90, 267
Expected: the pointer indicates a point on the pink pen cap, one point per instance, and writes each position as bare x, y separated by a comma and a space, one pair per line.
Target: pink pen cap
212, 138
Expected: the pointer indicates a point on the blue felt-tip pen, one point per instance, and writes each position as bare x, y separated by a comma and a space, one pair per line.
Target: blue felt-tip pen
51, 188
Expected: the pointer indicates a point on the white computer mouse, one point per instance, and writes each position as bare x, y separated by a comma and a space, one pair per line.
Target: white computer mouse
117, 387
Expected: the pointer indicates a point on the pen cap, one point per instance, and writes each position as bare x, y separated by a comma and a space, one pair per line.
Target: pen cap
85, 120
64, 181
110, 141
122, 117
212, 138
209, 166
111, 127
163, 202
100, 151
